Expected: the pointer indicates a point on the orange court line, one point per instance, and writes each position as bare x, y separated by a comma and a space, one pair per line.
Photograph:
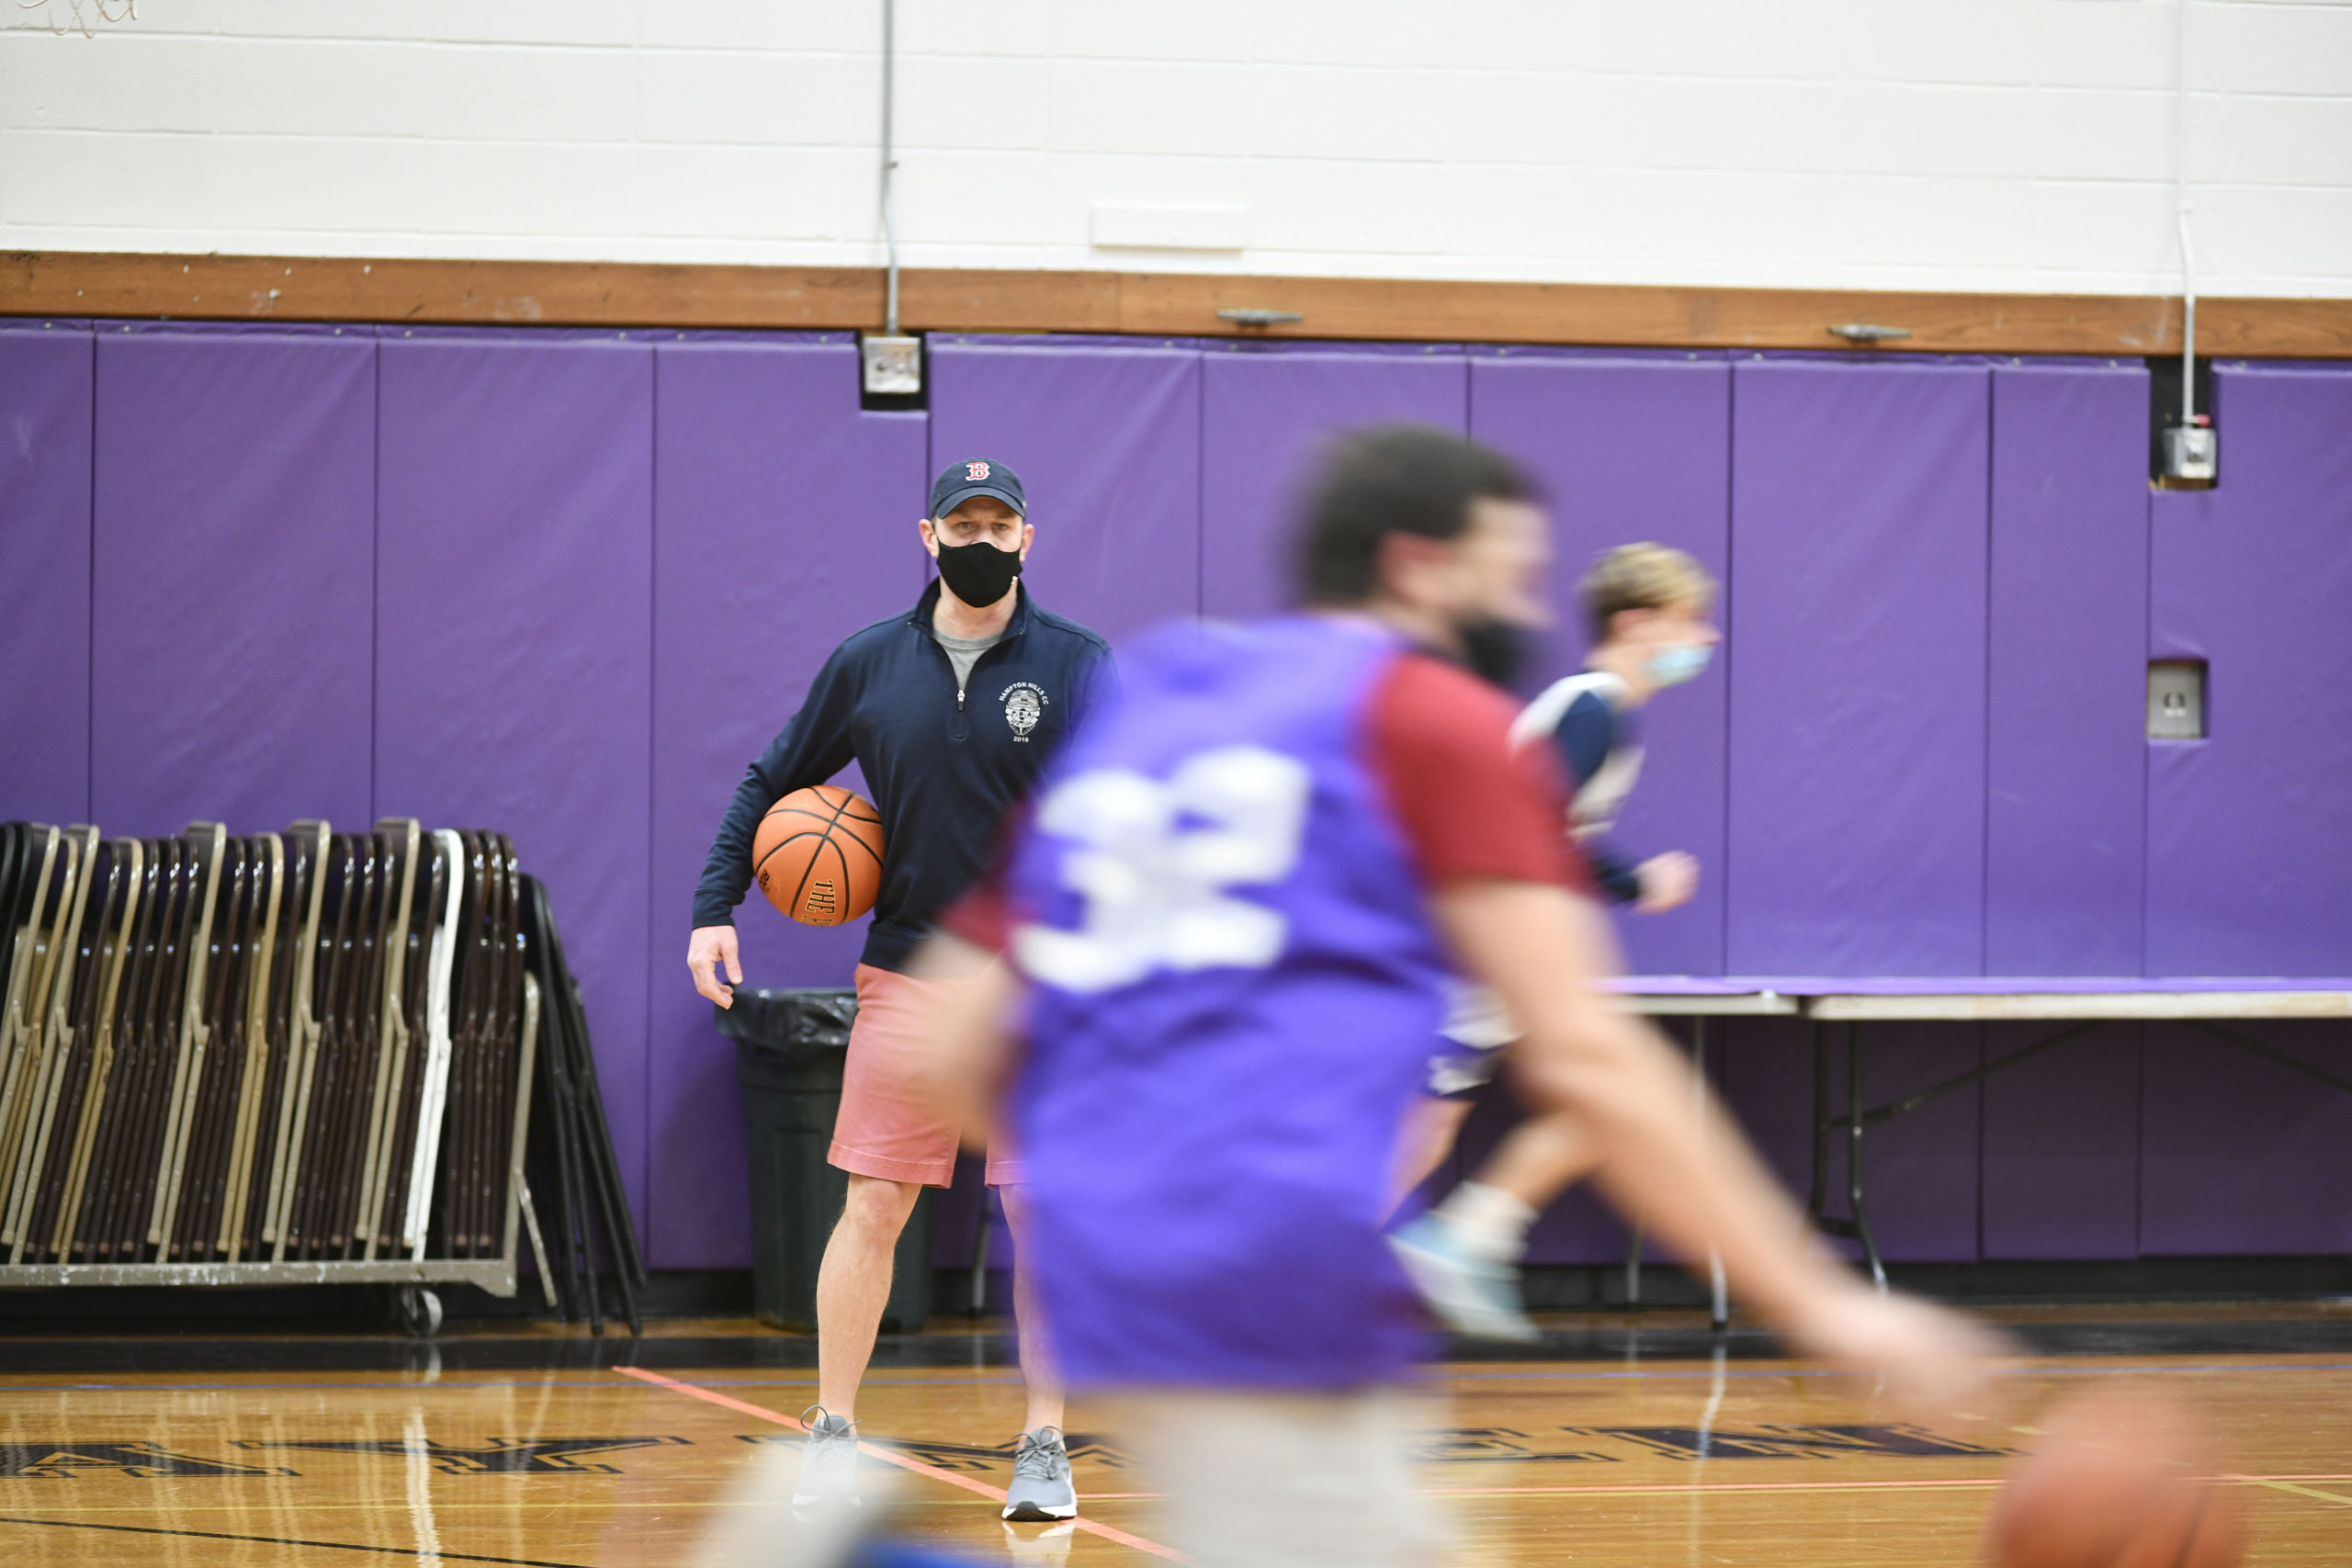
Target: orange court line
931, 1472
1691, 1486
872, 1450
1688, 1486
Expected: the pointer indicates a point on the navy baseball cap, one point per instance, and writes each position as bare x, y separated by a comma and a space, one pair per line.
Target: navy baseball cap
958, 482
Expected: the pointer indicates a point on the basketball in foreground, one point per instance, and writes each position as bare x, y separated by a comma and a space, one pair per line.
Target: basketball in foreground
818, 854
2120, 1479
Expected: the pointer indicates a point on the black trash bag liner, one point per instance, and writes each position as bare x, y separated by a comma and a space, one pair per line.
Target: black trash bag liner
798, 1024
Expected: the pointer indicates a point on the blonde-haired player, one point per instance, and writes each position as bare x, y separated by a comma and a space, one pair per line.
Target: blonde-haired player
1649, 607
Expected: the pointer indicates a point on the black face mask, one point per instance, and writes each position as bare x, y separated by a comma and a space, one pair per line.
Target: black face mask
1495, 650
979, 573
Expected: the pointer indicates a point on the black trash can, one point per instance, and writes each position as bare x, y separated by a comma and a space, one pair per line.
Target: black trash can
789, 1048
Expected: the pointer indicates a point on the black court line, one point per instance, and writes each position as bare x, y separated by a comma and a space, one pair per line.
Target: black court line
288, 1540
1441, 1370
993, 1351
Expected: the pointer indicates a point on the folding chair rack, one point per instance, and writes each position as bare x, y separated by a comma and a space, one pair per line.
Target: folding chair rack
298, 1058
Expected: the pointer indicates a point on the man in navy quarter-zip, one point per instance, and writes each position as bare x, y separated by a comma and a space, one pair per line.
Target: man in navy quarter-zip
951, 713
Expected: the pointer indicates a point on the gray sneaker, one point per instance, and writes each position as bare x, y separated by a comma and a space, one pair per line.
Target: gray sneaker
829, 1463
1471, 1295
1041, 1486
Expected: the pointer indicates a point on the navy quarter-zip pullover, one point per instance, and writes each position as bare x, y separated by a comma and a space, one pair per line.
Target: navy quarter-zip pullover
943, 765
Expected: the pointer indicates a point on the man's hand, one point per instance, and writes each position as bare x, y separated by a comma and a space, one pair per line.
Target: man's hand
710, 946
1929, 1363
1668, 882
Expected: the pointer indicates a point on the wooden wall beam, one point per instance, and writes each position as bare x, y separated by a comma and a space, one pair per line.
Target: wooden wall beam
639, 293
399, 291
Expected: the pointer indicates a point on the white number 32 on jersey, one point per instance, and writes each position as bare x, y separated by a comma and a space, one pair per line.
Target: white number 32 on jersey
1155, 862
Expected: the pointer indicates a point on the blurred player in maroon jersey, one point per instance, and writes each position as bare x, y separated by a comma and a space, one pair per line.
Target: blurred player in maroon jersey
1233, 920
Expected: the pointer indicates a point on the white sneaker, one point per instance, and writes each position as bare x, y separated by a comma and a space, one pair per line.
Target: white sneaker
1471, 1295
829, 1463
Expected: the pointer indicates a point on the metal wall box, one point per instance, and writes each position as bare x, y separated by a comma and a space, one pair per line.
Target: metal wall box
2192, 455
892, 366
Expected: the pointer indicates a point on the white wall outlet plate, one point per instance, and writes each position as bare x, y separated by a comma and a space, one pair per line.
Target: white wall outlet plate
2176, 699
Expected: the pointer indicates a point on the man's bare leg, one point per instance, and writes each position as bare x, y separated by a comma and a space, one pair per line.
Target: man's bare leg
1044, 1387
853, 1285
1537, 1161
1540, 1159
1041, 1489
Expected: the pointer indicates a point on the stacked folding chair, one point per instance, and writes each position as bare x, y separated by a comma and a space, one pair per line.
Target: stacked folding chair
284, 1056
593, 1216
45, 954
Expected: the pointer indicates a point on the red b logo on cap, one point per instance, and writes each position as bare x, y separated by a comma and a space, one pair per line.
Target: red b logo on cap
976, 471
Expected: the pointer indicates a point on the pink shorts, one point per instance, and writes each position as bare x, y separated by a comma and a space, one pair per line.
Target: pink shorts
885, 1128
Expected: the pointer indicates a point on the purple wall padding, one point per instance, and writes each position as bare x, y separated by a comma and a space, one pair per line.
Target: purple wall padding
784, 520
235, 524
514, 642
2062, 1144
1919, 1172
1633, 449
1766, 1068
566, 585
1265, 418
2242, 1156
2065, 796
45, 374
2065, 770
1856, 775
1107, 442
2247, 870
1922, 1173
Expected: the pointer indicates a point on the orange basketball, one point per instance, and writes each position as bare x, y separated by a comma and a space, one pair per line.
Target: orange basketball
817, 855
2120, 1478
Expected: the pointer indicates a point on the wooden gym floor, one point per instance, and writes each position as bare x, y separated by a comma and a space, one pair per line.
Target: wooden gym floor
1631, 1442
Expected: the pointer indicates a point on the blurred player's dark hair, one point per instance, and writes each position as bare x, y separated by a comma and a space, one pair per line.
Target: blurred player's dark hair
1391, 479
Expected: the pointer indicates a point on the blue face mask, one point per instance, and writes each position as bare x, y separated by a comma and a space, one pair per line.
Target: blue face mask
1678, 662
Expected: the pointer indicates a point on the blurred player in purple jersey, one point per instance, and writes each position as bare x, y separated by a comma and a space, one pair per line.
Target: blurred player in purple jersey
1231, 919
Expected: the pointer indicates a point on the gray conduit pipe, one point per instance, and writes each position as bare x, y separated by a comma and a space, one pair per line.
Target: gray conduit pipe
890, 162
2180, 209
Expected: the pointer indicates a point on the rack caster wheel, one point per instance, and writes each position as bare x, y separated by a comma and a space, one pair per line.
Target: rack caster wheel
420, 1311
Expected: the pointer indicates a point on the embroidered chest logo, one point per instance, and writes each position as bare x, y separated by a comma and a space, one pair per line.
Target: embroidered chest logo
1024, 704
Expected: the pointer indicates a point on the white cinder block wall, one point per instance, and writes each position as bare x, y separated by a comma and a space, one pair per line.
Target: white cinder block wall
1965, 144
